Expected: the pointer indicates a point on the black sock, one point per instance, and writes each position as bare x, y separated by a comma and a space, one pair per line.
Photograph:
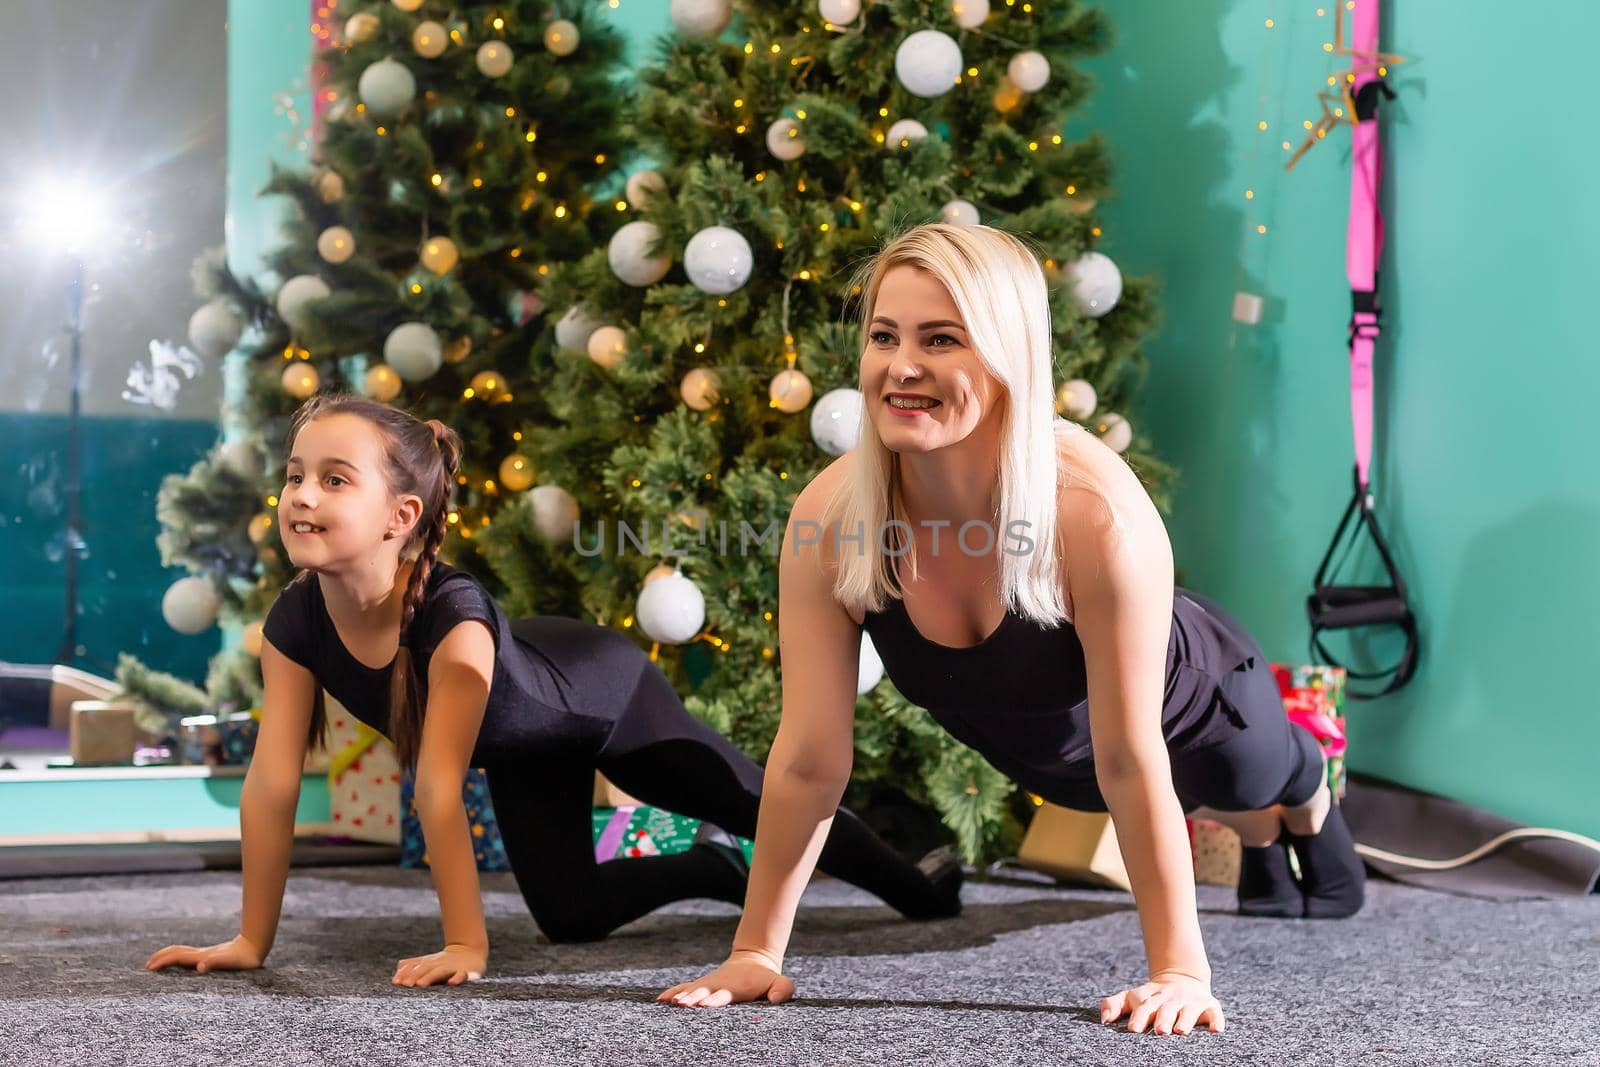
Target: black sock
1332, 875
1267, 887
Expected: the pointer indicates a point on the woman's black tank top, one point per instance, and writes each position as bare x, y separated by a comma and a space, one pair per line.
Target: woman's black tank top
1020, 696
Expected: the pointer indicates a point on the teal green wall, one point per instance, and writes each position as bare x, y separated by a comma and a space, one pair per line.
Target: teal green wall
1485, 373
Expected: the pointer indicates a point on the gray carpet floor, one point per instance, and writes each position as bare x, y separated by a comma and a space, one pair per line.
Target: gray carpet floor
1418, 978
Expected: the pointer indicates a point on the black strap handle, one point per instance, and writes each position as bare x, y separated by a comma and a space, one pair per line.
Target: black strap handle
1339, 607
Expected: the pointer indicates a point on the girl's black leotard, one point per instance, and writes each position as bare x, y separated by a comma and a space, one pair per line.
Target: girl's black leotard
569, 697
1020, 697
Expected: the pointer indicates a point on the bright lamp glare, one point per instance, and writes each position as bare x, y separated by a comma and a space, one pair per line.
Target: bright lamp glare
66, 215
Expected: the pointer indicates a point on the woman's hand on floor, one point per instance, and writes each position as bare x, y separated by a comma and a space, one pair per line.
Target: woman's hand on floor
1167, 1004
235, 955
451, 965
745, 976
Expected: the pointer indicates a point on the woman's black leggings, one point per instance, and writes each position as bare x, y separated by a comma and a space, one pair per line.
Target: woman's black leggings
660, 753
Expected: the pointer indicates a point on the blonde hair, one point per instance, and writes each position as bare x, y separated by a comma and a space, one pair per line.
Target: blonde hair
997, 283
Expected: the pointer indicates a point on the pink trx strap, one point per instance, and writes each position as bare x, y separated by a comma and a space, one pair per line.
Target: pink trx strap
1330, 606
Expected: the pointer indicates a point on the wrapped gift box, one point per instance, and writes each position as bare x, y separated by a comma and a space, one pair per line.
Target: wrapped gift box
363, 779
1216, 851
1074, 846
487, 849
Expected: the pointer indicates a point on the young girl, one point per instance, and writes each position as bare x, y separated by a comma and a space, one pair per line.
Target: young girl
421, 653
1045, 631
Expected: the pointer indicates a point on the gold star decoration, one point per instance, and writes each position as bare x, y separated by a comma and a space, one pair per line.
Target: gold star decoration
1341, 107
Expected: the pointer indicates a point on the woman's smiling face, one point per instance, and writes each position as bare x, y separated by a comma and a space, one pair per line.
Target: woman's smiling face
918, 351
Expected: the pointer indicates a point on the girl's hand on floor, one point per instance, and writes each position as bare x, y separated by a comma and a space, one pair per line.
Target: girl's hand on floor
746, 976
1167, 1004
235, 955
451, 965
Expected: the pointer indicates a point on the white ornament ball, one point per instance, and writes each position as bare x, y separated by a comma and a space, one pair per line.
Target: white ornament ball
790, 391
494, 59
836, 420
607, 346
1077, 399
701, 18
575, 329
439, 255
960, 213
671, 610
902, 133
429, 40
554, 512
387, 87
784, 140
361, 27
869, 668
700, 388
718, 259
190, 604
928, 63
839, 12
561, 38
330, 187
414, 351
643, 185
214, 329
1096, 283
1028, 71
629, 258
336, 244
382, 382
1115, 431
241, 458
969, 13
407, 5
295, 297
300, 380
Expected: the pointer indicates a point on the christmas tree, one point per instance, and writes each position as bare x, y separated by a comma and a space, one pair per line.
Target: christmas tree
459, 155
787, 148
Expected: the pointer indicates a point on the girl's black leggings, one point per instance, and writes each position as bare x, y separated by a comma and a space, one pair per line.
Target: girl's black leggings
660, 753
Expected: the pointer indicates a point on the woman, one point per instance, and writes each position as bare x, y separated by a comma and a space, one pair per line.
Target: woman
1017, 581
421, 653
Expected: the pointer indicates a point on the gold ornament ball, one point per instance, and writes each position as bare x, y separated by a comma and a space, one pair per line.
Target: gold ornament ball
1008, 96
300, 380
260, 528
660, 570
487, 384
700, 387
457, 350
330, 187
790, 390
494, 59
336, 244
516, 472
607, 346
250, 637
429, 40
407, 5
361, 27
382, 382
439, 255
561, 37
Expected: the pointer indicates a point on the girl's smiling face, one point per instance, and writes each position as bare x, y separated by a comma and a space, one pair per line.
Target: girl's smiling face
918, 350
336, 506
